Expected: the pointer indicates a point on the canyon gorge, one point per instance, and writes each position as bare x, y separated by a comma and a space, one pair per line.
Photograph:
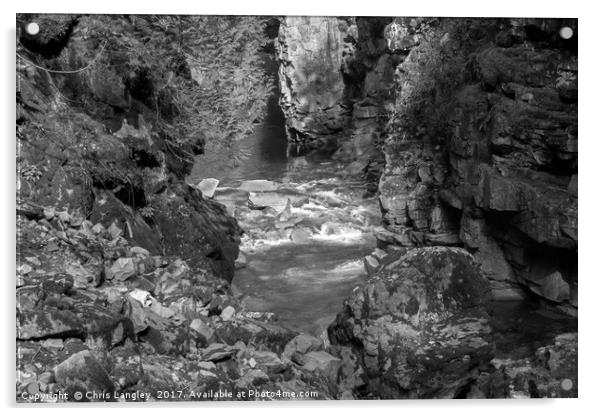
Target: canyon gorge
308, 207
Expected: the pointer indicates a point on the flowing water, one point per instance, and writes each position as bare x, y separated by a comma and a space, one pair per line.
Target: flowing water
304, 262
304, 257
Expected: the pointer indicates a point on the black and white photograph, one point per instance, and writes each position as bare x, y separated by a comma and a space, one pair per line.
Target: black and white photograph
237, 207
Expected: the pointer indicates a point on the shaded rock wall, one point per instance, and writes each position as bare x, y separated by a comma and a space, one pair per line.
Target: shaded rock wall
336, 77
494, 166
310, 53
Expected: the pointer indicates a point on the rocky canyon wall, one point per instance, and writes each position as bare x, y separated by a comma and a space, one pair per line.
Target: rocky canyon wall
469, 127
310, 53
89, 142
336, 76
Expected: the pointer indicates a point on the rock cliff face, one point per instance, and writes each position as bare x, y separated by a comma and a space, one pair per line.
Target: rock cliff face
337, 101
497, 172
469, 126
310, 53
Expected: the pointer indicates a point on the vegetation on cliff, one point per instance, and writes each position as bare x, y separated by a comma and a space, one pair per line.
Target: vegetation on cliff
112, 109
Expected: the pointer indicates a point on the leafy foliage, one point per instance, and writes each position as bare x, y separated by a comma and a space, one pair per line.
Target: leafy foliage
432, 74
202, 75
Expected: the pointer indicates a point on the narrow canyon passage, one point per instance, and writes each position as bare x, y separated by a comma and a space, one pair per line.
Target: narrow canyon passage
303, 257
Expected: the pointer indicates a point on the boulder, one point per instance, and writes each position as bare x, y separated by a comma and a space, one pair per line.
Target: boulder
207, 187
122, 269
300, 235
47, 322
197, 230
200, 327
319, 361
301, 344
251, 379
83, 373
241, 261
419, 324
217, 352
261, 200
555, 288
228, 313
371, 263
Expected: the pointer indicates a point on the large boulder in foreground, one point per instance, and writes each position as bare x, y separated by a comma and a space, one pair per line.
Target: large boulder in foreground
419, 326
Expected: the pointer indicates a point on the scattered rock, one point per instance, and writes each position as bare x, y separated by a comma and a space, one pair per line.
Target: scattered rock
268, 361
228, 313
202, 328
272, 200
122, 269
142, 296
555, 288
64, 217
98, 228
320, 361
49, 213
241, 261
208, 187
139, 251
300, 236
371, 264
114, 230
301, 344
217, 352
82, 277
252, 378
24, 269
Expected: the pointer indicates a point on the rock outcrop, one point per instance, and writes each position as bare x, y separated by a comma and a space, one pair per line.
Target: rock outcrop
418, 327
491, 162
336, 78
311, 83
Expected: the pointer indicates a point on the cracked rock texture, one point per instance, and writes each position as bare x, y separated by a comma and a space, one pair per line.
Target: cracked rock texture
419, 326
311, 83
